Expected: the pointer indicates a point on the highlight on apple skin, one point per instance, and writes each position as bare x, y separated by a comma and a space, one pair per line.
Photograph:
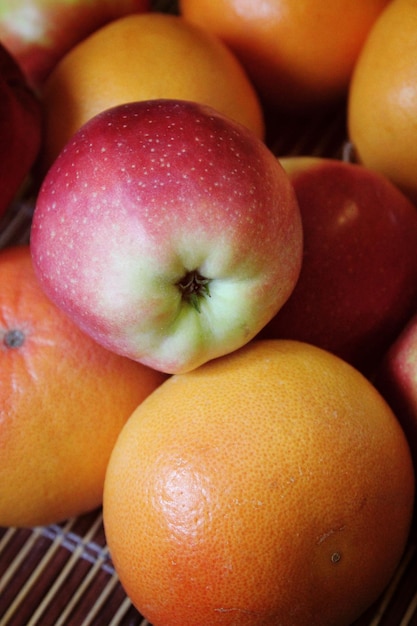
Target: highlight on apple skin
39, 32
168, 232
358, 283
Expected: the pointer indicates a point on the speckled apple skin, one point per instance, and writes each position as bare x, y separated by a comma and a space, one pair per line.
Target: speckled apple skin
146, 192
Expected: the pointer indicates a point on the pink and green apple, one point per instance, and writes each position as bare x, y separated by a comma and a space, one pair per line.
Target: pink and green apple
39, 32
20, 129
358, 283
168, 232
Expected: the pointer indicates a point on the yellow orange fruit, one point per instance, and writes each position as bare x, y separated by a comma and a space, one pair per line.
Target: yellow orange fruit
141, 57
298, 54
271, 486
382, 104
63, 401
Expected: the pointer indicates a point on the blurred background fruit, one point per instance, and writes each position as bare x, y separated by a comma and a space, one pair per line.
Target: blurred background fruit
382, 105
142, 57
271, 486
39, 32
20, 129
63, 401
298, 54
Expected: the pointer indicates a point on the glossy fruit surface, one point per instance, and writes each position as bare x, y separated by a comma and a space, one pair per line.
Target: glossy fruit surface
382, 105
358, 282
271, 486
142, 57
39, 32
298, 54
63, 401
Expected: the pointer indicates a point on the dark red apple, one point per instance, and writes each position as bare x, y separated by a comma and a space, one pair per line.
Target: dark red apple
39, 32
396, 379
20, 128
358, 283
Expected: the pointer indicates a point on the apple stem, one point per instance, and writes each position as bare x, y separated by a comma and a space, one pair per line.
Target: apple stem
193, 287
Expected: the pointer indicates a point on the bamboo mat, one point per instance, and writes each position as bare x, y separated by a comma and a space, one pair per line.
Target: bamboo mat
62, 575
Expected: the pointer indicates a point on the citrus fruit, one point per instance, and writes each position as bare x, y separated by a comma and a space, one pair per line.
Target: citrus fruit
141, 57
298, 54
271, 486
382, 104
63, 401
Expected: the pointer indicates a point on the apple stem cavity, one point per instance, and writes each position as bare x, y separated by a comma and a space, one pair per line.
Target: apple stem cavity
14, 338
193, 287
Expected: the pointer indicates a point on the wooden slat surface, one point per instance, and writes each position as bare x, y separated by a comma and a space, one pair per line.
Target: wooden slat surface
62, 575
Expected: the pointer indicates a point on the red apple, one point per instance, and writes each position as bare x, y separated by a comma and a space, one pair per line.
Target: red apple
358, 283
168, 232
20, 129
396, 379
39, 32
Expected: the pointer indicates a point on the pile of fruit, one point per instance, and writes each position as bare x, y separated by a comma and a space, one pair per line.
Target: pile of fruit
214, 342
